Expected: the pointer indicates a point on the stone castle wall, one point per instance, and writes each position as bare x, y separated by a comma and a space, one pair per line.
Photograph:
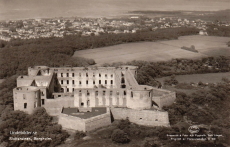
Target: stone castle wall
142, 117
71, 122
165, 100
54, 106
97, 122
85, 125
26, 98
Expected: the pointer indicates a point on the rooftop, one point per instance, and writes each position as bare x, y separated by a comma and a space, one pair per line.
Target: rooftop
84, 115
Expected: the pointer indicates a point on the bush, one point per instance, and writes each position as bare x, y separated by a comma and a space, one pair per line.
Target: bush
119, 136
79, 135
123, 124
171, 81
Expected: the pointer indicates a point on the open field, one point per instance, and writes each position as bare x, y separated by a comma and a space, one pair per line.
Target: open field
160, 50
205, 78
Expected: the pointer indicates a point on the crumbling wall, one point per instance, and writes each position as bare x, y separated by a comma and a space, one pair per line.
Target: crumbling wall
100, 97
142, 117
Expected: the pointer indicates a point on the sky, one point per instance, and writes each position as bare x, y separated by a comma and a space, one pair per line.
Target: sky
22, 9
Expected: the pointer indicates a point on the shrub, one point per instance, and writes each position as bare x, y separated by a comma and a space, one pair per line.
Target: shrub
79, 135
119, 136
123, 124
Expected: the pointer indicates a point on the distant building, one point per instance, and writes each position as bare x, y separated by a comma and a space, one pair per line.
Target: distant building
89, 96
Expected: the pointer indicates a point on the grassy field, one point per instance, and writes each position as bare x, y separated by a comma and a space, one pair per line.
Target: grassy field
205, 78
159, 51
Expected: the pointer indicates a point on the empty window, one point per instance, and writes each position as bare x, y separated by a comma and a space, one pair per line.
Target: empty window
73, 89
140, 118
43, 102
93, 82
67, 89
99, 81
73, 82
61, 81
105, 81
131, 94
99, 75
61, 74
79, 82
106, 75
42, 93
122, 80
72, 74
93, 75
67, 81
67, 74
87, 82
88, 93
24, 96
111, 82
124, 92
111, 75
25, 105
86, 74
156, 119
82, 104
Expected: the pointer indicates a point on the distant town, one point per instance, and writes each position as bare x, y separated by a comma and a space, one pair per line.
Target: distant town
60, 27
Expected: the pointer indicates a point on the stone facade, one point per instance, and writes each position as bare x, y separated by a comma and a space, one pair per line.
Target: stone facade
84, 88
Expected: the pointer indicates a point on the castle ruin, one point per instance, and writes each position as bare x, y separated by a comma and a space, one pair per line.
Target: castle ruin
87, 98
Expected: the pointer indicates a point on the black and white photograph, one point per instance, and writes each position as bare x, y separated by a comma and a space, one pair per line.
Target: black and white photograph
114, 73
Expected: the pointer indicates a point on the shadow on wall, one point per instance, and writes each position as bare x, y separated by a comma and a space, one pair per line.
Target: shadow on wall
57, 85
111, 114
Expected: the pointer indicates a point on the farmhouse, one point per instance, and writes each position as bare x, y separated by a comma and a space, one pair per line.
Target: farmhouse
88, 98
